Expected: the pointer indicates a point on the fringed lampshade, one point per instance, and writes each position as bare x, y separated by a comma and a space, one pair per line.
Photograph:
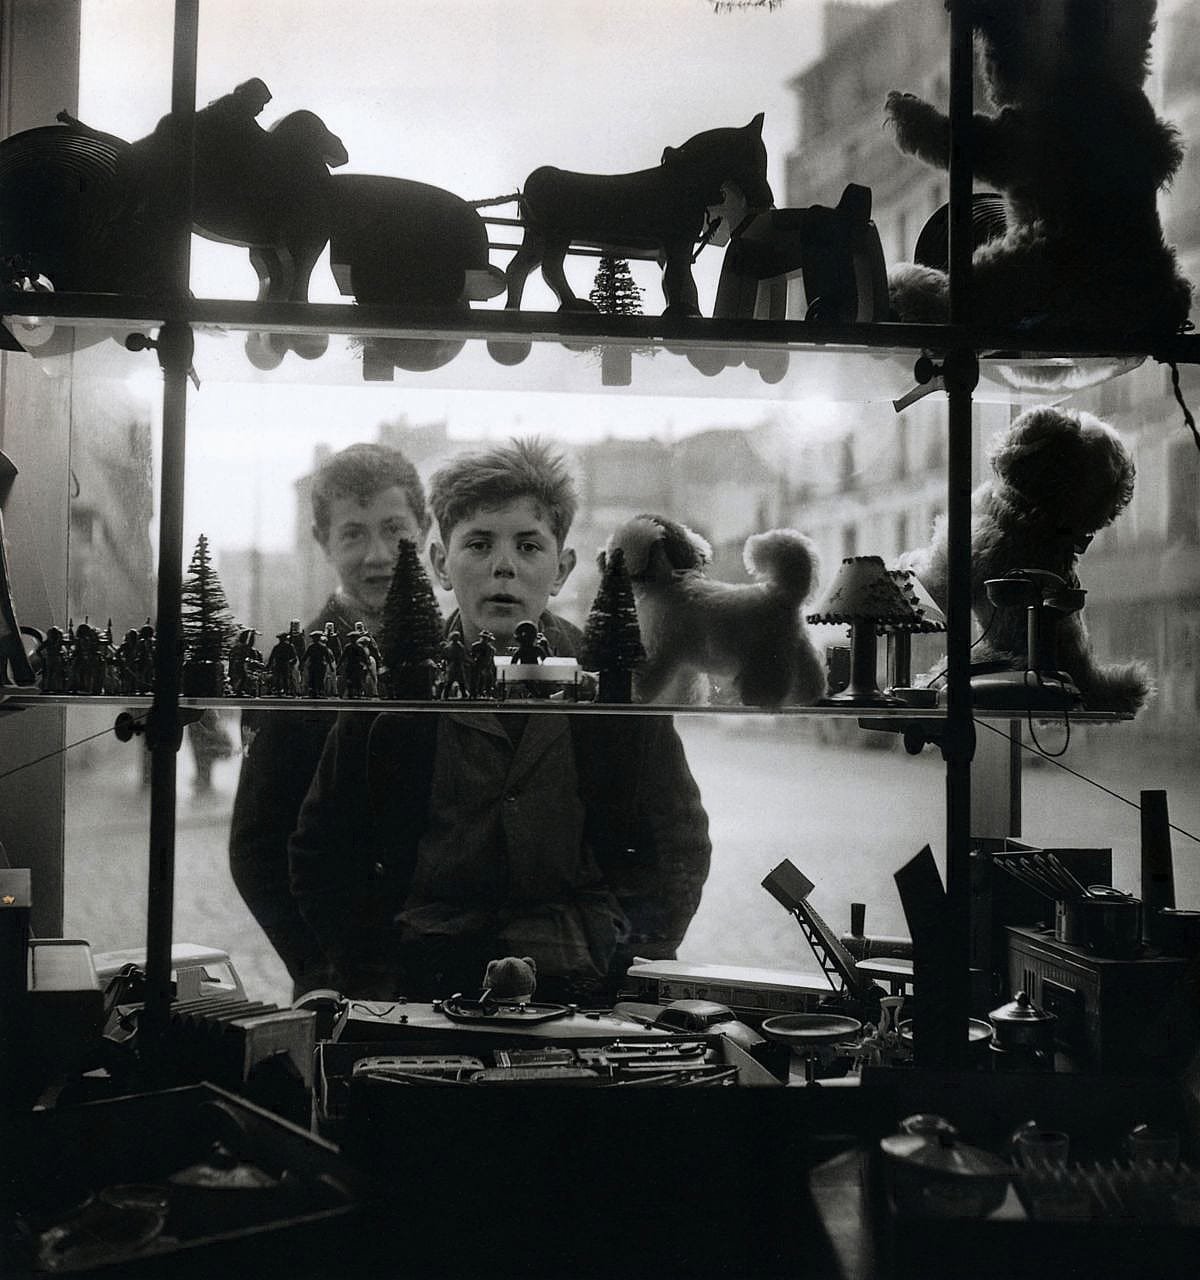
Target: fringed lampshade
873, 600
926, 618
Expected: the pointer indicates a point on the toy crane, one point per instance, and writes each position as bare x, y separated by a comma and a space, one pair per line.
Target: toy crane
790, 887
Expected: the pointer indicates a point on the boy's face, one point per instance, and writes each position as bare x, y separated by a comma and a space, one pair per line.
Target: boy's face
503, 565
362, 540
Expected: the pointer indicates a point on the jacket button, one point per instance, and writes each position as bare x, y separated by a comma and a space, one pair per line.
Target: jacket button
378, 868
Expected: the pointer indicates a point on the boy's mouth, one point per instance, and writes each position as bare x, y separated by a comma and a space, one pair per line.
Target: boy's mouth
502, 598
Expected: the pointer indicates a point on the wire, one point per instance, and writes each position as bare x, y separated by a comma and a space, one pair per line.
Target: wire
63, 750
1116, 795
1189, 421
1046, 755
937, 675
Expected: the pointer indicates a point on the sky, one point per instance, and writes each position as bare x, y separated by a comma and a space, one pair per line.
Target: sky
469, 95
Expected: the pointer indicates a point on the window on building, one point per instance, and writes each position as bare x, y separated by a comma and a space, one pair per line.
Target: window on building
902, 532
849, 540
847, 476
935, 453
902, 447
1183, 494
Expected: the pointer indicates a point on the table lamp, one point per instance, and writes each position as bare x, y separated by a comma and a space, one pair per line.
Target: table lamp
873, 600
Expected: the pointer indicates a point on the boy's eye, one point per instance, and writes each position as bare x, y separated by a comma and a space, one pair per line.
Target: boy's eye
531, 547
350, 535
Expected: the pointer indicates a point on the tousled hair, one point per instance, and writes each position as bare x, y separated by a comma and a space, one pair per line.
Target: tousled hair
500, 475
361, 471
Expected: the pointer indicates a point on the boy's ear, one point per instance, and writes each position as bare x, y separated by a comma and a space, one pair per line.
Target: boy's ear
566, 562
437, 558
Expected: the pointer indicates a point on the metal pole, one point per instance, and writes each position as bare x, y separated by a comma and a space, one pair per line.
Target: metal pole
960, 375
164, 728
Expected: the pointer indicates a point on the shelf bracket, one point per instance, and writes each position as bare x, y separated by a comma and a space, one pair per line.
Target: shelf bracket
175, 344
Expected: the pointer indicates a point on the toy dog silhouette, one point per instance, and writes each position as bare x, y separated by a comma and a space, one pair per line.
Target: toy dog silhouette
748, 634
658, 211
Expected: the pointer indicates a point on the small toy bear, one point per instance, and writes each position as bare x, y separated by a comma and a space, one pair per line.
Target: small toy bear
1079, 155
1058, 477
692, 627
512, 979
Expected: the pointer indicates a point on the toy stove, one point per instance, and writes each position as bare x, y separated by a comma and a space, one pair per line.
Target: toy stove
1113, 1015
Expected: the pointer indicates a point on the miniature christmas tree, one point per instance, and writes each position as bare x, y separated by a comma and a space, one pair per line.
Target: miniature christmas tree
207, 627
612, 639
614, 291
410, 639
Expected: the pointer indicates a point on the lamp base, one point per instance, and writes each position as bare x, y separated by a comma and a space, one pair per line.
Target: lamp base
914, 696
852, 697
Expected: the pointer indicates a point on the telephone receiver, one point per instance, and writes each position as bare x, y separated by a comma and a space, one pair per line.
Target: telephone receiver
1025, 588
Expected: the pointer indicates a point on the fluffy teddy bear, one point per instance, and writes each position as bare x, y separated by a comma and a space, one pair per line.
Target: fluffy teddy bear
1079, 155
1058, 477
693, 628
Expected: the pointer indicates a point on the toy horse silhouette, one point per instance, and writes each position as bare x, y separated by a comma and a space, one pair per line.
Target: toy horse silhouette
658, 213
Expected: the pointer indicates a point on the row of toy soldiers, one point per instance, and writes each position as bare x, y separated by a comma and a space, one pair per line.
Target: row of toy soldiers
471, 673
319, 665
324, 664
84, 659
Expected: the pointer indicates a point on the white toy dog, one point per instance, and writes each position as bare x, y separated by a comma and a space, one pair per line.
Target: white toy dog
750, 635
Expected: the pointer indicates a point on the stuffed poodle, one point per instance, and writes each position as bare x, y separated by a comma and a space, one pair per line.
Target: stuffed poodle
1079, 155
1058, 477
698, 633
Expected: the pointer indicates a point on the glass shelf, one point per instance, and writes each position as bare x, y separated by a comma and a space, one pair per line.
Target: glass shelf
501, 351
13, 698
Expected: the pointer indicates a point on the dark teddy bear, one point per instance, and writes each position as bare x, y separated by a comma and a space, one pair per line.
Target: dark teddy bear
1079, 155
1059, 476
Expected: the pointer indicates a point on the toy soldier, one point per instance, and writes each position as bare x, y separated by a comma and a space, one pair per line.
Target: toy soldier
145, 658
526, 649
334, 641
245, 665
454, 651
356, 677
52, 652
110, 662
127, 660
318, 667
483, 665
86, 675
283, 667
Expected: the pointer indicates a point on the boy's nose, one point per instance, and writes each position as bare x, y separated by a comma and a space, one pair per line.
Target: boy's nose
382, 549
503, 565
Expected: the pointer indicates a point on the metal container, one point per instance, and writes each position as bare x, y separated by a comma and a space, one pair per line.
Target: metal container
1112, 922
1020, 1024
1178, 931
1068, 921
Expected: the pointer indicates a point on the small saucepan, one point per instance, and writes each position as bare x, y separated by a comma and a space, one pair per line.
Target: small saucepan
1112, 922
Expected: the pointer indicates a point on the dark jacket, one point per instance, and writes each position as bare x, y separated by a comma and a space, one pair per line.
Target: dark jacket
353, 853
279, 766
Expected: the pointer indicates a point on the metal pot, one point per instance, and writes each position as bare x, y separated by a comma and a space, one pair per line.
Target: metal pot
1112, 922
931, 1169
1021, 1025
1178, 931
979, 1036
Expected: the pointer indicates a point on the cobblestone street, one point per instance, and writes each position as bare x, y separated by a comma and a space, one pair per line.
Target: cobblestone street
848, 815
